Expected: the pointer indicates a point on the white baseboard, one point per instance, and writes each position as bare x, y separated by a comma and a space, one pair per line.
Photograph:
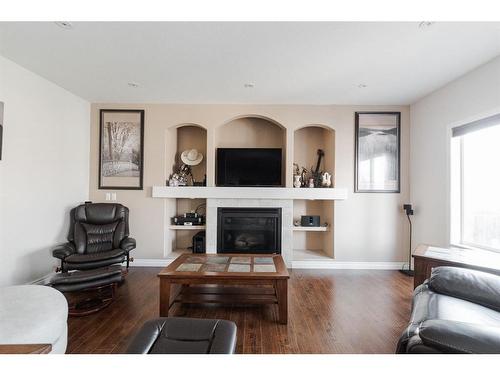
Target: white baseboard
296, 264
335, 265
138, 262
44, 280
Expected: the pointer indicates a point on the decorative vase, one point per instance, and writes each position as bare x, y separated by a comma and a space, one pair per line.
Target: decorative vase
296, 181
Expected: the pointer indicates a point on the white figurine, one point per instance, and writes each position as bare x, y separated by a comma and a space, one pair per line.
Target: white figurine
326, 179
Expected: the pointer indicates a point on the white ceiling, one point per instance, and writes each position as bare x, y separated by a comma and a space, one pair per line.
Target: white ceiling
289, 63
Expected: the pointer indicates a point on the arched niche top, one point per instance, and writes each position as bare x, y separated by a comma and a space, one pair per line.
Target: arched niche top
251, 116
177, 126
327, 127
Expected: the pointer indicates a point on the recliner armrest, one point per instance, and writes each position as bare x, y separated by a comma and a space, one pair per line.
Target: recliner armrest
470, 285
459, 337
64, 250
128, 244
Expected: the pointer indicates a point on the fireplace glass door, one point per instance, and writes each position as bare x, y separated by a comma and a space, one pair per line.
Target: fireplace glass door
249, 230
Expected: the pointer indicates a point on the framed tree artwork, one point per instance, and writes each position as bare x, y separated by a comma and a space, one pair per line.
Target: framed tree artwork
377, 152
121, 149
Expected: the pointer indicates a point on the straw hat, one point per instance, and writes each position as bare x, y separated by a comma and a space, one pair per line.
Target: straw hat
191, 157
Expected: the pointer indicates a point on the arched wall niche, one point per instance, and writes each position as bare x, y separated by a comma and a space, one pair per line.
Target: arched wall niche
178, 138
253, 131
183, 137
306, 142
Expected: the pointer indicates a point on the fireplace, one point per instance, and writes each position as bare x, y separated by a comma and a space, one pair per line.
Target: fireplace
249, 230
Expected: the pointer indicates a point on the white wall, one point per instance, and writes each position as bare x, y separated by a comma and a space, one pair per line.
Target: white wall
44, 170
473, 96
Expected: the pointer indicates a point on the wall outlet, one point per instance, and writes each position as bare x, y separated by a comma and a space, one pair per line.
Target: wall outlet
108, 196
113, 196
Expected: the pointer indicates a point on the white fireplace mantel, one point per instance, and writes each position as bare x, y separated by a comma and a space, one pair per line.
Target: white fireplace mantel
249, 193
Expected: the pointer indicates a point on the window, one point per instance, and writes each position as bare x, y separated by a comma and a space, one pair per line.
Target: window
475, 184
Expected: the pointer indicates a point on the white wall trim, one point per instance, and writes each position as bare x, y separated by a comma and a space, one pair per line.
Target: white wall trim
151, 262
44, 280
334, 265
296, 264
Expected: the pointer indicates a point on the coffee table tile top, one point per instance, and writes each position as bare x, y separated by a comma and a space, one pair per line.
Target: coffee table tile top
194, 259
242, 260
227, 264
218, 260
264, 268
263, 260
212, 267
189, 267
238, 268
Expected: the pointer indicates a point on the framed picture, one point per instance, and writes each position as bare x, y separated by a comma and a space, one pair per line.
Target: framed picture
121, 149
377, 152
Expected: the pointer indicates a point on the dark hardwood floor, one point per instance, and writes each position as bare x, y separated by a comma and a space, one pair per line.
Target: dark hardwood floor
330, 311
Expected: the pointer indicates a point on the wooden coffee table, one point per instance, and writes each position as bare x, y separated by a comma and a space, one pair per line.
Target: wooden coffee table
226, 279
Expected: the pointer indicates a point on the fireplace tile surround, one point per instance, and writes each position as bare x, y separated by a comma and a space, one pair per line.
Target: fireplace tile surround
286, 206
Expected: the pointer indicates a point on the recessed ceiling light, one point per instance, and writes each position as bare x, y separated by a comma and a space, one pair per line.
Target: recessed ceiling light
249, 85
425, 24
362, 86
133, 84
64, 25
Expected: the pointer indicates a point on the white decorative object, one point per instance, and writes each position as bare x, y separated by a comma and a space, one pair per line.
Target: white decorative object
297, 181
311, 182
326, 179
191, 157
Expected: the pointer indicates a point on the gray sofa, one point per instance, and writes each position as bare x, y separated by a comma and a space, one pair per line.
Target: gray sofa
456, 310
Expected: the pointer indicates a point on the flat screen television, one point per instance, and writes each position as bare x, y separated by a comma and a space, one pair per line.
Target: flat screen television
248, 167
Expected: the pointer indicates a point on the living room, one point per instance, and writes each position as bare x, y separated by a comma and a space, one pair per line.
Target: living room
249, 187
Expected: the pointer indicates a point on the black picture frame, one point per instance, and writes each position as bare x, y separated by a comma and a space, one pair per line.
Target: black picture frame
357, 188
102, 184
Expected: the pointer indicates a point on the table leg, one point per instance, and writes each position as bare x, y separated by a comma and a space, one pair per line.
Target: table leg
282, 296
164, 297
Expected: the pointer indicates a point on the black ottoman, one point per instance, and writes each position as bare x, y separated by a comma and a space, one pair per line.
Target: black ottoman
185, 336
88, 291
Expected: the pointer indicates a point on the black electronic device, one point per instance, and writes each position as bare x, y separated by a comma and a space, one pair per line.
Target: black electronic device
310, 221
190, 218
249, 167
199, 243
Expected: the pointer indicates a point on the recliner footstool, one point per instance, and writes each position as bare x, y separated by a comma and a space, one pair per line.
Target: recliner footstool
185, 336
88, 291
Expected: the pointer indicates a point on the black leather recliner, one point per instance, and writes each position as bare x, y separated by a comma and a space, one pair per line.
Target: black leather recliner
98, 237
456, 310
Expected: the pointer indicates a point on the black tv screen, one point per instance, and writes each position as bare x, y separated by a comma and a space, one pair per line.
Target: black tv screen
248, 167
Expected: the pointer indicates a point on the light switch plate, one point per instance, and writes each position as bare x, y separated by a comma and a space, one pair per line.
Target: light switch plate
113, 196
108, 196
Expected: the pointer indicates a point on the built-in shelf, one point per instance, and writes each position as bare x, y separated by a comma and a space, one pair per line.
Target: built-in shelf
312, 229
249, 193
187, 227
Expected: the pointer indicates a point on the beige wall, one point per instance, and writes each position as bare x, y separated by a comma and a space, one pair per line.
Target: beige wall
44, 170
368, 227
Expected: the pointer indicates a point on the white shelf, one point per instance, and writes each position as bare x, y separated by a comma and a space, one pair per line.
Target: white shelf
249, 192
312, 229
310, 255
187, 227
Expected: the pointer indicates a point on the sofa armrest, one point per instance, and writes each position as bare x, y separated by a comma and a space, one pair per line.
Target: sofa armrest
64, 250
474, 286
128, 244
459, 337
